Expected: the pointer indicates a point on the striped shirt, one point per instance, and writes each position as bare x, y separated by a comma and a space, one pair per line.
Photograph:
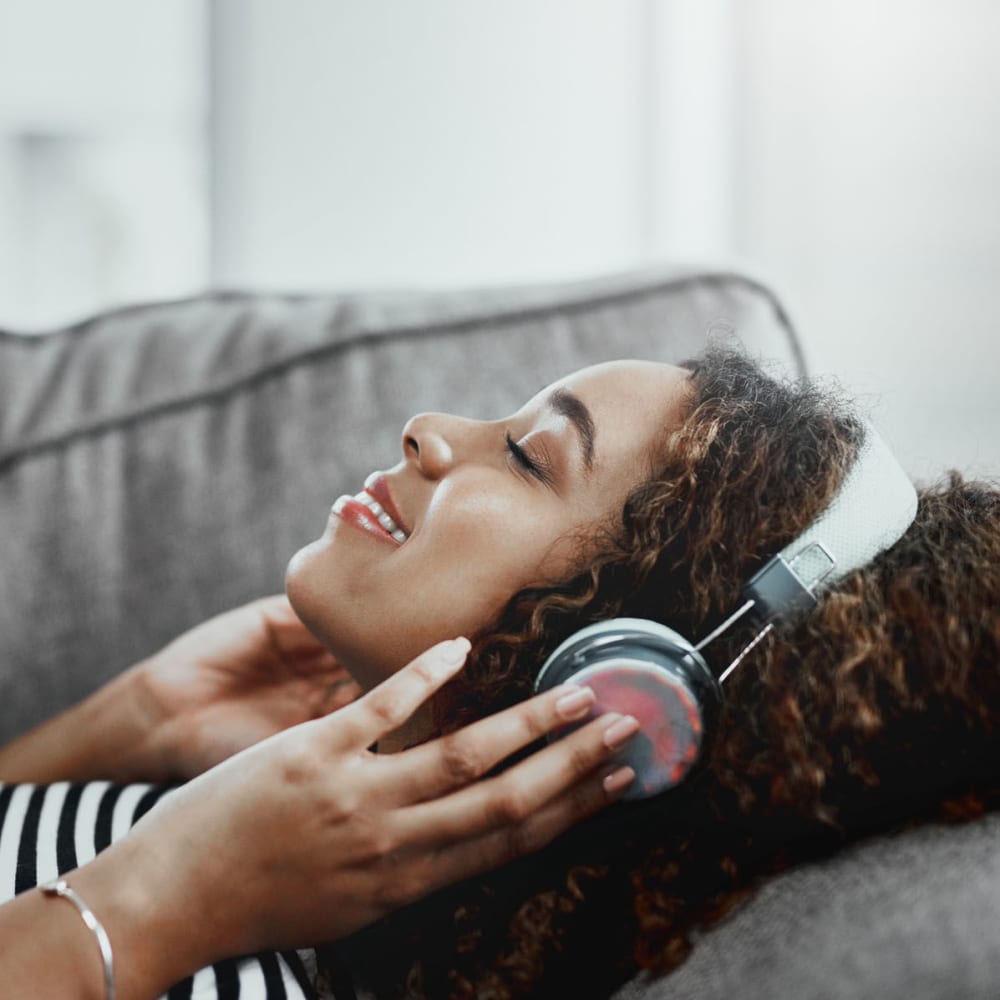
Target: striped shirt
47, 830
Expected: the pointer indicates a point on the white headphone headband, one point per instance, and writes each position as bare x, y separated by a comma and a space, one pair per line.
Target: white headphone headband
875, 504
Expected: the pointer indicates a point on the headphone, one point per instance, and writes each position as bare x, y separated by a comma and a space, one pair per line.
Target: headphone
647, 670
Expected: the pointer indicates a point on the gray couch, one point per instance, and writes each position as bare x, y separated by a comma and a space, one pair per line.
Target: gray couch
159, 463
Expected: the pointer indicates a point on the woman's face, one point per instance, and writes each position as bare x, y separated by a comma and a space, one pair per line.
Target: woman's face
488, 508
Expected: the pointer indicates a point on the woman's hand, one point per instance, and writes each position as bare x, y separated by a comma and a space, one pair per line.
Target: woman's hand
308, 836
216, 690
235, 680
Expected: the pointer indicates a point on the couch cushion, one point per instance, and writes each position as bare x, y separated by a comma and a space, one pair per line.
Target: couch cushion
913, 915
160, 463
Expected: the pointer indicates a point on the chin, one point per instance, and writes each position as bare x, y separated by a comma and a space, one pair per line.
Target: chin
312, 599
298, 586
307, 595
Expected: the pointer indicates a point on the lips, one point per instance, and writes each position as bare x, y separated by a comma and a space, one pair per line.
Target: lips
377, 486
373, 511
357, 513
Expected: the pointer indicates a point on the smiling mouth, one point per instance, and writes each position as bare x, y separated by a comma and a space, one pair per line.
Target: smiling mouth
365, 512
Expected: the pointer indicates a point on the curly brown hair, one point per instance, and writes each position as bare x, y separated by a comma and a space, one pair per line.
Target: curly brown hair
877, 708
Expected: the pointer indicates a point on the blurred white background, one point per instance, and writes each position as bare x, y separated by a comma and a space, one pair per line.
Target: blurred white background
848, 152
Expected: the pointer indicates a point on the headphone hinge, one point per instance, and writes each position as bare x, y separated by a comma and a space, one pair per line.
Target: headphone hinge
777, 589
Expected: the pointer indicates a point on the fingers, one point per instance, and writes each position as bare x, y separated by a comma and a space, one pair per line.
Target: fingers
453, 761
516, 796
497, 847
386, 707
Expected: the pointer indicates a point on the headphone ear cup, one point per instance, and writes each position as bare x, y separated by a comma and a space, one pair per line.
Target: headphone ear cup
646, 670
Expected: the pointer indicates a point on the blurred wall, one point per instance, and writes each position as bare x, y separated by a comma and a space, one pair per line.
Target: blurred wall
438, 142
451, 141
103, 176
869, 191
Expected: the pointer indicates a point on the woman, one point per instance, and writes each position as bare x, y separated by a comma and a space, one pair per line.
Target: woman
878, 707
651, 491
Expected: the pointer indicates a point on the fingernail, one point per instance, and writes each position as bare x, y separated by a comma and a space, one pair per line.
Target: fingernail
618, 780
575, 703
620, 732
454, 651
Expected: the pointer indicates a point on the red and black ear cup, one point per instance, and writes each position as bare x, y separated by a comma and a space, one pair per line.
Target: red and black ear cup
647, 670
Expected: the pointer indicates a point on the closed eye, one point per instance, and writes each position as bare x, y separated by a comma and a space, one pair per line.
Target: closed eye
525, 461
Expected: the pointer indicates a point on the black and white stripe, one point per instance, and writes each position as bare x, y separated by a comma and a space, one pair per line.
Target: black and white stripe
47, 830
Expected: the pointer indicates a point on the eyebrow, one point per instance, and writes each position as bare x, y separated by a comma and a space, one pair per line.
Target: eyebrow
563, 402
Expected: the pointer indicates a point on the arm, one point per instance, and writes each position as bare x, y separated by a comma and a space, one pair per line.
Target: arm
219, 688
110, 735
316, 837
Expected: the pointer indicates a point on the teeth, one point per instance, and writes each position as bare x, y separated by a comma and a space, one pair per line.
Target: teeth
381, 516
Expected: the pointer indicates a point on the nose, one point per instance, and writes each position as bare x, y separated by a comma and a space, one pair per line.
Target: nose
429, 442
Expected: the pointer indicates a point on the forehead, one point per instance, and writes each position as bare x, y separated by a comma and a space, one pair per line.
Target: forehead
658, 383
634, 405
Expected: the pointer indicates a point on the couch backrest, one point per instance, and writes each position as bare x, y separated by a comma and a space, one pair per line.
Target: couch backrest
160, 463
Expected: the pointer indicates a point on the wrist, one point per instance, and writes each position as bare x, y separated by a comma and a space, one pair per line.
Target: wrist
46, 950
128, 724
60, 889
153, 753
157, 933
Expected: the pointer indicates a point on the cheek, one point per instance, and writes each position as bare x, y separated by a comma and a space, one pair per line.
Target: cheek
502, 538
472, 558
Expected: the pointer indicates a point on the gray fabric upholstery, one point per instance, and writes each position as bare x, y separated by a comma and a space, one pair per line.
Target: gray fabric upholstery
913, 916
162, 462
